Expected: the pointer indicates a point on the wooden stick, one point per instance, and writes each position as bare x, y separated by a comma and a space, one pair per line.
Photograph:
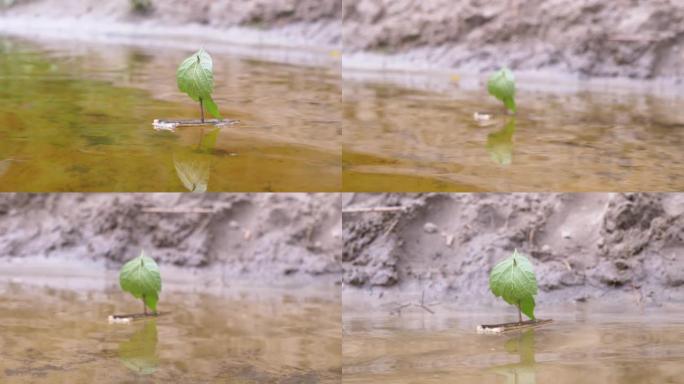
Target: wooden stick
178, 210
194, 123
127, 319
373, 209
391, 227
508, 327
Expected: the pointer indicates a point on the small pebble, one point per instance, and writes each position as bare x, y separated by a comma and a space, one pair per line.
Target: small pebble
430, 228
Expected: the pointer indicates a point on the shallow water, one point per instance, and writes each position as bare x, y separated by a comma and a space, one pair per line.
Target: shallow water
78, 117
61, 335
398, 139
581, 346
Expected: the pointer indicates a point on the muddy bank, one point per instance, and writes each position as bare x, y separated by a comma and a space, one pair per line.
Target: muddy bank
583, 246
262, 235
621, 38
310, 22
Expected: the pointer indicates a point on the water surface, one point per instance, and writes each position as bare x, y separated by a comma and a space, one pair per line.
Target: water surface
78, 117
55, 330
582, 346
399, 139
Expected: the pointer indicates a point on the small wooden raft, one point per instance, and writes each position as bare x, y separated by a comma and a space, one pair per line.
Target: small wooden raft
126, 319
170, 125
508, 327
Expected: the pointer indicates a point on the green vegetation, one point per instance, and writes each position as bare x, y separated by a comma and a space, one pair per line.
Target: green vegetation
195, 76
514, 281
501, 84
141, 6
141, 278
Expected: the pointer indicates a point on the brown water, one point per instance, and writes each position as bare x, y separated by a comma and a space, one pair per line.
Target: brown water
78, 117
233, 335
582, 346
397, 139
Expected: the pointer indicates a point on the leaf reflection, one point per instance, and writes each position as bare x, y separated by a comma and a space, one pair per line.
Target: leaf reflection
500, 144
524, 371
139, 353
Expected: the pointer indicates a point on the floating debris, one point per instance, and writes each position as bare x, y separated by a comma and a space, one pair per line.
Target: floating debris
118, 320
171, 125
482, 117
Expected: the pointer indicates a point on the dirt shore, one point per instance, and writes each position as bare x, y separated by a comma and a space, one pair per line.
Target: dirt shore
592, 38
586, 38
261, 235
583, 246
310, 22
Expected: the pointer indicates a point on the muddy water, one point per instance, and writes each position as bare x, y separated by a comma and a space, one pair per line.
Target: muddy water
78, 117
582, 346
398, 139
56, 331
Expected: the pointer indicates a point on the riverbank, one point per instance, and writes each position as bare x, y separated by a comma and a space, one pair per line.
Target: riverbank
262, 236
584, 38
299, 32
626, 247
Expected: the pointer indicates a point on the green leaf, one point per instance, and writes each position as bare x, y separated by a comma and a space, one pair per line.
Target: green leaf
514, 281
141, 278
527, 306
212, 108
501, 84
195, 76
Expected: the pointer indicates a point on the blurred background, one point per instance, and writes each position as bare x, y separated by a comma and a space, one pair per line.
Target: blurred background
311, 22
621, 38
261, 235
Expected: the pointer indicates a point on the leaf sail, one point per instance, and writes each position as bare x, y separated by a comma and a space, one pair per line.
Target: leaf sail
141, 278
501, 84
195, 77
514, 281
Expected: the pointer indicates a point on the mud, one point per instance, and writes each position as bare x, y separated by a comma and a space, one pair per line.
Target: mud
583, 246
262, 235
620, 38
316, 20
